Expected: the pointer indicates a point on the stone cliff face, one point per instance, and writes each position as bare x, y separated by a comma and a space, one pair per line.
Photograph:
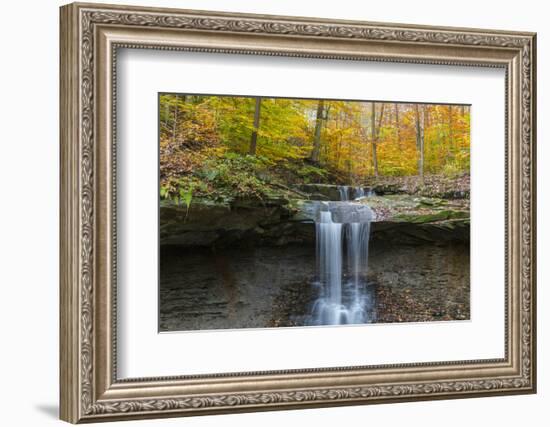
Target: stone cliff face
271, 286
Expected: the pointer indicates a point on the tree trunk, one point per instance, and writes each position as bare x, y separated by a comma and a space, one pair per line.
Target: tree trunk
380, 122
175, 124
254, 139
347, 125
350, 169
451, 142
375, 135
315, 152
166, 114
338, 152
373, 139
398, 132
419, 119
427, 118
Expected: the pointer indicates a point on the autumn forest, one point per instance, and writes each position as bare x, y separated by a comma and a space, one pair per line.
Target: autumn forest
272, 139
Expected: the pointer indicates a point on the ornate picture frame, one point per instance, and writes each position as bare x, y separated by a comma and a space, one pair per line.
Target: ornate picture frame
90, 37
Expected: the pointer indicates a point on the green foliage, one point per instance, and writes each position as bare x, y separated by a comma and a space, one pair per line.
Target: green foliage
235, 176
436, 215
181, 190
222, 179
312, 174
186, 196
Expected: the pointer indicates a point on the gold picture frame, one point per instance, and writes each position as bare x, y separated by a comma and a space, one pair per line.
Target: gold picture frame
90, 37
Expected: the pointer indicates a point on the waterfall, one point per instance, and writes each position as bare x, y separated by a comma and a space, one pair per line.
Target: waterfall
342, 237
358, 193
357, 248
344, 192
348, 193
329, 259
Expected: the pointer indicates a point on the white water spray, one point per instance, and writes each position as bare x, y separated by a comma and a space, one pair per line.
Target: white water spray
344, 192
348, 193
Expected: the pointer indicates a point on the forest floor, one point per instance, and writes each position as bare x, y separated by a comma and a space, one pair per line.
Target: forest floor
234, 177
442, 186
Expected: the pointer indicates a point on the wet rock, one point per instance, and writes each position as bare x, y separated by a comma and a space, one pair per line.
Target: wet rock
438, 186
320, 191
241, 223
410, 219
413, 233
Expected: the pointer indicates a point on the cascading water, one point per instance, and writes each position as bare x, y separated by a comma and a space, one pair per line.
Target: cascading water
353, 193
358, 193
344, 192
329, 259
342, 237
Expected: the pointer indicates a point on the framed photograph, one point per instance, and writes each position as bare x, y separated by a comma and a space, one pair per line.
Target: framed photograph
266, 212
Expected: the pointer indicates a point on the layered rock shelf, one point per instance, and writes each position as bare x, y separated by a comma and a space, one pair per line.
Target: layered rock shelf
401, 217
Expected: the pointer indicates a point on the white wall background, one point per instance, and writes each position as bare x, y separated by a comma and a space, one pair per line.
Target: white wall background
29, 170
